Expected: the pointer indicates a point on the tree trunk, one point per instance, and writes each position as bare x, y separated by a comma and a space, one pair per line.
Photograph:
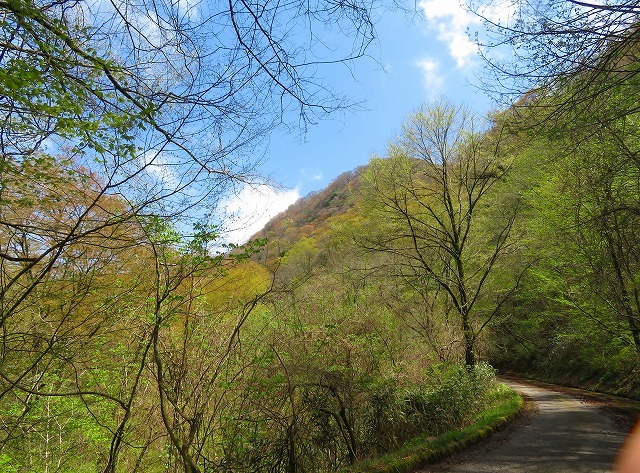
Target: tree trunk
469, 355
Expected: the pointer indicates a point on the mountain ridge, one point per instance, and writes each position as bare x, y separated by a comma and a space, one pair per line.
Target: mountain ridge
309, 213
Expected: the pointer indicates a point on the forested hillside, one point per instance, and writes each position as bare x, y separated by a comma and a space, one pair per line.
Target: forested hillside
369, 313
559, 230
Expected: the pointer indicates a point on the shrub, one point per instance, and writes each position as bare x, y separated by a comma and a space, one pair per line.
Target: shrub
453, 399
384, 421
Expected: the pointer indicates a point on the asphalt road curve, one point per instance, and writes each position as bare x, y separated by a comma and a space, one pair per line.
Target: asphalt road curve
560, 434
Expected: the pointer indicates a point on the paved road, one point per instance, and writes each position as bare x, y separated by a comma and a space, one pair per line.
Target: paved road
562, 434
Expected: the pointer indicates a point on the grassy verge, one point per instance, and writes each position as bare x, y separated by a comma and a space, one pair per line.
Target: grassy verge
424, 450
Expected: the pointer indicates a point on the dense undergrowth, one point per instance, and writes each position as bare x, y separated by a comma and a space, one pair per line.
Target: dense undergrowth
379, 417
503, 405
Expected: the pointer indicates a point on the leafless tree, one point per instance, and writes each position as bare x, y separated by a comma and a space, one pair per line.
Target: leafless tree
567, 58
431, 191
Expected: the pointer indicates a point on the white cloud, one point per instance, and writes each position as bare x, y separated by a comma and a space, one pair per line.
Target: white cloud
431, 77
157, 165
501, 13
189, 9
452, 20
312, 176
252, 207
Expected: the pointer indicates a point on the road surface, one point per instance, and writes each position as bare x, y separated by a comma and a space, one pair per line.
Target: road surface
560, 434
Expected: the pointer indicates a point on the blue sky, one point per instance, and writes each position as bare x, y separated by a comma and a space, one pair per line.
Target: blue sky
415, 60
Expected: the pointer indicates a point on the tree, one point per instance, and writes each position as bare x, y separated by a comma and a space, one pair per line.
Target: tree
164, 101
573, 66
589, 201
116, 116
111, 352
431, 192
180, 71
543, 47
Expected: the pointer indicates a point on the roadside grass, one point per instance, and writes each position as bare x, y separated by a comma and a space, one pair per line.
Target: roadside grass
424, 450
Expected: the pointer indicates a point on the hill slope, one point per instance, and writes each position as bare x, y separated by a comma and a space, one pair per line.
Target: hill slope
309, 214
